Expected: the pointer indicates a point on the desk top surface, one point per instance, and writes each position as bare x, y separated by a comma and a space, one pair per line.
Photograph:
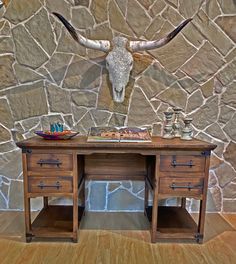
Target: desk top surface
80, 142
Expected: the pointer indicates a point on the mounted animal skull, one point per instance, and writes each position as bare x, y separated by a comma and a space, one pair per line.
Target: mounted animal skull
119, 61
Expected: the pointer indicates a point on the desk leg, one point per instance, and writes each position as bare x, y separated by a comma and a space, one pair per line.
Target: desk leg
75, 198
45, 202
146, 196
154, 216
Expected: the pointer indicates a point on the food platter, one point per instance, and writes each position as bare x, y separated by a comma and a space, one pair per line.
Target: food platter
66, 134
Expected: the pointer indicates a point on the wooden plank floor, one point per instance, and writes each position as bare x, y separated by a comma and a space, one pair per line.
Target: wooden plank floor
114, 238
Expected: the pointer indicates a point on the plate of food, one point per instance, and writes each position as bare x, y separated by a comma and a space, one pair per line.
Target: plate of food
66, 134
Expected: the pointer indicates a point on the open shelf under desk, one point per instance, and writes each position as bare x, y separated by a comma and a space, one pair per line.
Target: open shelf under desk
174, 223
55, 221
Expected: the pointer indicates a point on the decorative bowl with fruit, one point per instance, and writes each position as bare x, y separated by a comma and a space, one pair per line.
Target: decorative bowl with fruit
65, 134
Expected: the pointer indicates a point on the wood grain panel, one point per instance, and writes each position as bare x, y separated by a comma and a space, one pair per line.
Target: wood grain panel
41, 162
182, 163
50, 184
115, 164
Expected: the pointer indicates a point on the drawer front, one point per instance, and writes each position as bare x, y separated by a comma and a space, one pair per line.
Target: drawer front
181, 186
50, 184
49, 161
182, 163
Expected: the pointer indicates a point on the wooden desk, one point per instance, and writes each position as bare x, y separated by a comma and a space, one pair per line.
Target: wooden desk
170, 168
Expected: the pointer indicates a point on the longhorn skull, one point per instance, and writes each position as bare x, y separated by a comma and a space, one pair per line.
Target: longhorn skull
119, 60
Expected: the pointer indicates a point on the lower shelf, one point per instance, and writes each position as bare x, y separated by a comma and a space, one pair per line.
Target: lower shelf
54, 222
174, 223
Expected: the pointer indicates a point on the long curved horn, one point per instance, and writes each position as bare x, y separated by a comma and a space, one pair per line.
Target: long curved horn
102, 45
153, 44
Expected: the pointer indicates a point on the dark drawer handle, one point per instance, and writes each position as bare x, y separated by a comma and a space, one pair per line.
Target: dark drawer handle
57, 185
174, 163
173, 186
42, 162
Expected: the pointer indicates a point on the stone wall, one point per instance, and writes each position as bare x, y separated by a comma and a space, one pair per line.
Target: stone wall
45, 77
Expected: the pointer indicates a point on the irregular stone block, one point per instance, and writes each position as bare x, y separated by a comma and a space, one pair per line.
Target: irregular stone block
67, 44
207, 114
113, 186
6, 45
229, 205
215, 161
172, 15
229, 96
216, 131
175, 54
230, 154
59, 99
28, 51
99, 10
137, 186
228, 25
174, 96
228, 6
97, 196
124, 200
188, 84
78, 112
225, 174
100, 117
212, 9
141, 63
28, 101
25, 74
231, 55
230, 128
16, 195
211, 32
10, 164
8, 146
4, 134
5, 116
203, 64
117, 120
147, 3
30, 123
117, 20
7, 77
216, 198
157, 8
154, 27
87, 99
102, 31
229, 191
194, 101
57, 66
134, 10
60, 6
144, 113
40, 28
5, 29
227, 74
226, 114
207, 88
82, 74
189, 8
122, 5
81, 18
18, 11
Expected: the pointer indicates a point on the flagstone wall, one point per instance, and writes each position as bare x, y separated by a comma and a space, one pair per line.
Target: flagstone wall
46, 77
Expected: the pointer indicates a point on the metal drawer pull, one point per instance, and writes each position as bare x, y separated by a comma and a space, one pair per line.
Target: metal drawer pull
42, 162
174, 163
173, 186
57, 185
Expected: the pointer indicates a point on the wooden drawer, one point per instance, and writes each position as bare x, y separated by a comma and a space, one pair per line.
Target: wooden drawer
50, 185
182, 163
181, 186
49, 161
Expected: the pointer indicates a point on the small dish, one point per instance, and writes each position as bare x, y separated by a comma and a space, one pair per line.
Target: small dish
67, 134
